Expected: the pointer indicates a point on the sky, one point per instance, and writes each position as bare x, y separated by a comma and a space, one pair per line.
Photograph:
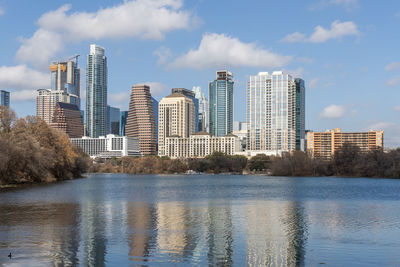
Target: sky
347, 51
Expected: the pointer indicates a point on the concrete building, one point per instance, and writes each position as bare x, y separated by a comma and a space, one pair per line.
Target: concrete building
109, 146
176, 118
240, 130
203, 116
46, 102
221, 104
96, 92
275, 113
65, 76
4, 98
113, 120
200, 144
192, 96
67, 118
323, 145
141, 121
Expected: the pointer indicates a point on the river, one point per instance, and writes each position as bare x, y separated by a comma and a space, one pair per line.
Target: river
202, 220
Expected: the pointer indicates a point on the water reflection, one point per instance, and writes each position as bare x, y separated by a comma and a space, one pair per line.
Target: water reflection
102, 228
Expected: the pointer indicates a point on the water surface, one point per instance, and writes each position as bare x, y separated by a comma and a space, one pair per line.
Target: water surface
202, 220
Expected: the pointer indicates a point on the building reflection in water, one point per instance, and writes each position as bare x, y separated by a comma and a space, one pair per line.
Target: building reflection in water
47, 231
276, 233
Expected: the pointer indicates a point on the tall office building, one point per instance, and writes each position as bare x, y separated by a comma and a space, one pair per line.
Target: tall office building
176, 118
46, 102
221, 104
4, 98
67, 118
96, 92
275, 112
192, 96
65, 76
155, 110
203, 110
113, 120
122, 122
141, 121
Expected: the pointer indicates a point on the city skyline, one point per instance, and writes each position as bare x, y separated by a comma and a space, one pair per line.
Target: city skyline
351, 76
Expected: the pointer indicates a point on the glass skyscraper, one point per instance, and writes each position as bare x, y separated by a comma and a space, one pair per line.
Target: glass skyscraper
221, 104
275, 112
4, 98
113, 120
203, 109
96, 92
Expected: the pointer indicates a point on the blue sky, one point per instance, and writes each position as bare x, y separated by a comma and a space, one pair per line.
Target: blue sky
347, 51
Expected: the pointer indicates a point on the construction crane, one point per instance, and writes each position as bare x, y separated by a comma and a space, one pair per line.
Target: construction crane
76, 59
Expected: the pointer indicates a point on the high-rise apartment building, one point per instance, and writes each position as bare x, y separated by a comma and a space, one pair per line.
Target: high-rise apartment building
65, 76
4, 98
67, 118
141, 121
323, 145
46, 102
155, 110
221, 104
113, 120
192, 96
122, 122
275, 112
203, 110
176, 118
96, 92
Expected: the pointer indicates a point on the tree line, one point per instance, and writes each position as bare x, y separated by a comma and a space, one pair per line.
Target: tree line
349, 161
31, 151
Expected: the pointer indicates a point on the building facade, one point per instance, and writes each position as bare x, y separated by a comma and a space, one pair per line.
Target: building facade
141, 121
65, 76
192, 96
4, 98
176, 118
275, 113
221, 104
200, 145
96, 92
113, 120
122, 122
323, 145
203, 116
108, 146
155, 110
46, 102
67, 118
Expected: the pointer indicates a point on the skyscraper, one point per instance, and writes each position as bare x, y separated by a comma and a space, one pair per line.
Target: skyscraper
65, 76
155, 110
275, 112
141, 122
300, 114
46, 102
122, 122
96, 92
203, 110
4, 98
67, 118
113, 120
221, 104
192, 96
176, 118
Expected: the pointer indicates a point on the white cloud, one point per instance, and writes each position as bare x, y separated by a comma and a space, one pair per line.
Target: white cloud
294, 38
223, 51
157, 89
397, 108
21, 77
392, 66
349, 5
338, 30
333, 112
391, 132
393, 81
119, 98
305, 60
145, 19
313, 83
24, 95
163, 54
2, 11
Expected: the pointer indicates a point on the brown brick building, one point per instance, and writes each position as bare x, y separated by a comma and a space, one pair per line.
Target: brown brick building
67, 118
141, 120
323, 145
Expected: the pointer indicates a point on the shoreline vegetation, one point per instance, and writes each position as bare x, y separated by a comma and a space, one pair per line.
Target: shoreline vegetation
33, 152
348, 162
